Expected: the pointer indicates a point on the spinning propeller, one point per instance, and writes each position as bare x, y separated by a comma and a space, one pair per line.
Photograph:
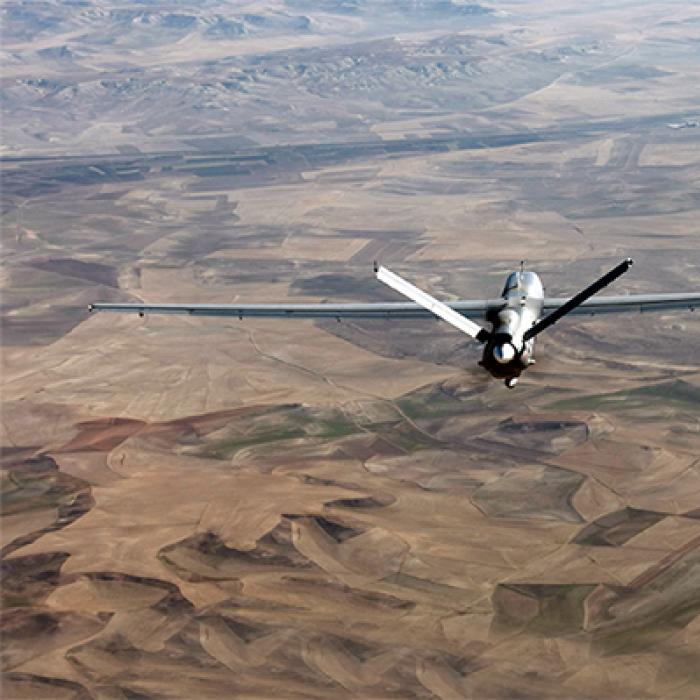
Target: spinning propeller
431, 304
577, 300
474, 329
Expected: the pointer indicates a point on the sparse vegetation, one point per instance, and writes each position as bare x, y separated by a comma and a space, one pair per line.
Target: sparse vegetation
225, 508
677, 395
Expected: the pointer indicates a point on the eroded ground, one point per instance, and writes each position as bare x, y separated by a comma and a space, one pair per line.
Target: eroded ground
207, 507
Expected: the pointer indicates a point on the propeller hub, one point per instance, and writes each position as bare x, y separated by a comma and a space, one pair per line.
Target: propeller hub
504, 353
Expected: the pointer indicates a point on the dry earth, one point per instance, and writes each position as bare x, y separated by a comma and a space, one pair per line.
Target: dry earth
206, 508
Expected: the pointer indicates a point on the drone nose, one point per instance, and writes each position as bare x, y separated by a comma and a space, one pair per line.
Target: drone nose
504, 353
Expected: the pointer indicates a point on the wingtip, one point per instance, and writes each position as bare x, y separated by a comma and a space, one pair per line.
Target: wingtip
375, 265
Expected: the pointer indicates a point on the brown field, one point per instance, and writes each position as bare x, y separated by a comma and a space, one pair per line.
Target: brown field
206, 508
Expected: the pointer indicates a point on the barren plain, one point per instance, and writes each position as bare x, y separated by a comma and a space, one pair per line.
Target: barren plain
207, 508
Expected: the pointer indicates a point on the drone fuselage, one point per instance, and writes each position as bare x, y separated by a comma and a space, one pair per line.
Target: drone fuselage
507, 353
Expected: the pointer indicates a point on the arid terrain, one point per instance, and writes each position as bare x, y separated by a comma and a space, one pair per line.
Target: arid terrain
211, 508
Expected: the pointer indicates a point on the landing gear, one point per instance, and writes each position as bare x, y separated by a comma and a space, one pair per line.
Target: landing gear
511, 382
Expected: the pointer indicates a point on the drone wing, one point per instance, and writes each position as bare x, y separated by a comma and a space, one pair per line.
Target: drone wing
629, 302
465, 309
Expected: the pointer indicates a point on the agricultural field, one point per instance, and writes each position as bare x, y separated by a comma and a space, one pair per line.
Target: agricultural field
278, 508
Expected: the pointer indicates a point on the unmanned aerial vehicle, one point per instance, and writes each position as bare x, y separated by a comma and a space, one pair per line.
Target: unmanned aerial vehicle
514, 319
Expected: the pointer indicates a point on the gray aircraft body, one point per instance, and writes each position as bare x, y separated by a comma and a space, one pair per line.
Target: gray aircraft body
516, 317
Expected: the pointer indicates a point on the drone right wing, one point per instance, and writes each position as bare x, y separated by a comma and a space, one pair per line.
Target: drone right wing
641, 303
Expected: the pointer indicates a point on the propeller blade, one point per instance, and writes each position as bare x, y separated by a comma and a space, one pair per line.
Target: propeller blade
577, 300
431, 304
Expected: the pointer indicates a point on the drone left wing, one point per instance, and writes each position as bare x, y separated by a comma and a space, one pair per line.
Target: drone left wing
473, 309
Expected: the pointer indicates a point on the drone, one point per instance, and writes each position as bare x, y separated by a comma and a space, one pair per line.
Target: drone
513, 320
